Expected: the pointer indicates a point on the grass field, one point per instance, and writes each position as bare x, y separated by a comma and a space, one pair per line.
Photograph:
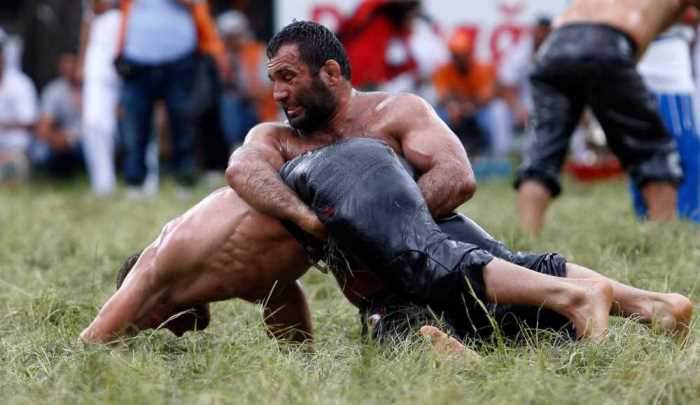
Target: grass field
60, 248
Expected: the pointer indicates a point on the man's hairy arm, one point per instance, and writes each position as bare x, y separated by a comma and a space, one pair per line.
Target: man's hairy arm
253, 172
447, 179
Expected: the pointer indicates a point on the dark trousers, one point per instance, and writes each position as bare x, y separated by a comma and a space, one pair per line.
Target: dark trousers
173, 83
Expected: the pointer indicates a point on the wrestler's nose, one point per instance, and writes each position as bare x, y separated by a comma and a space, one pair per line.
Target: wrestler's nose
280, 93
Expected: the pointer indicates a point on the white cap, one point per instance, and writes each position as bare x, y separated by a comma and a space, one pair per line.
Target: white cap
232, 22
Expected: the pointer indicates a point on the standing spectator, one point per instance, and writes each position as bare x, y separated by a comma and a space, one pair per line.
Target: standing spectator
465, 87
377, 40
18, 113
100, 94
667, 71
158, 59
247, 97
57, 148
515, 69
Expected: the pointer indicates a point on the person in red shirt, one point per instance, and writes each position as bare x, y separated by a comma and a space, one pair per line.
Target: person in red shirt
376, 38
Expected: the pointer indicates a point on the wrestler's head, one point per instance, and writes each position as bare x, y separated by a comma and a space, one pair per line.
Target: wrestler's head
183, 319
307, 67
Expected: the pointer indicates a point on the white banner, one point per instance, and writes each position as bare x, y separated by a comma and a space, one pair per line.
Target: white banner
499, 22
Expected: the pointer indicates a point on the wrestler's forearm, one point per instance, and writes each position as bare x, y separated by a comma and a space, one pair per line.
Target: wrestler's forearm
259, 185
444, 189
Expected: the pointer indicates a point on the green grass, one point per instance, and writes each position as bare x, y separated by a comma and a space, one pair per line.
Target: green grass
60, 248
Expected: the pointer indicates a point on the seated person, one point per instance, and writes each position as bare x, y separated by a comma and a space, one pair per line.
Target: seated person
57, 149
466, 91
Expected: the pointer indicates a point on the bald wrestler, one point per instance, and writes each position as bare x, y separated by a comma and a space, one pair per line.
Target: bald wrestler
310, 75
589, 59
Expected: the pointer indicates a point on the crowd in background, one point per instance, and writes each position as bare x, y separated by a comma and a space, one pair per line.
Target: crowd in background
164, 86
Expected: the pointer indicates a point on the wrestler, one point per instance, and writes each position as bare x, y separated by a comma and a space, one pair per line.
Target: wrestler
589, 59
310, 77
378, 219
219, 249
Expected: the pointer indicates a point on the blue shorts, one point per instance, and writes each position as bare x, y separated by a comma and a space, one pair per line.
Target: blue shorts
679, 117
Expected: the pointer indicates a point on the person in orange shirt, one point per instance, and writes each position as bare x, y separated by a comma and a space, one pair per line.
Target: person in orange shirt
465, 87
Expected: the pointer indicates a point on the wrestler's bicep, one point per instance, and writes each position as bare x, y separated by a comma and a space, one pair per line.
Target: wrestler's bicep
426, 140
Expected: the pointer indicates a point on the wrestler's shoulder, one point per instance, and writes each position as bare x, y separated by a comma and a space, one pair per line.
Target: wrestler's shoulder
397, 109
269, 131
383, 99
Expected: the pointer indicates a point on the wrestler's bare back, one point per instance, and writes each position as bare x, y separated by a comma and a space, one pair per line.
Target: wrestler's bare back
641, 19
221, 249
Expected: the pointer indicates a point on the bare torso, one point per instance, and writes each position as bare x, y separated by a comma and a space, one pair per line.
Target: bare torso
221, 249
370, 116
643, 20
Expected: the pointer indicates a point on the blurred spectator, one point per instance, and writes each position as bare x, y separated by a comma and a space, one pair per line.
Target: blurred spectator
158, 60
377, 40
247, 97
514, 71
18, 114
465, 87
667, 70
100, 93
429, 48
56, 150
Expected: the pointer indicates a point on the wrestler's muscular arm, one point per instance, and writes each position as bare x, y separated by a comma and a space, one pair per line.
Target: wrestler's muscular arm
433, 149
253, 173
136, 296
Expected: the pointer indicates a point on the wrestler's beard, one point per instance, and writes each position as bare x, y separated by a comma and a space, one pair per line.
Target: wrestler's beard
319, 105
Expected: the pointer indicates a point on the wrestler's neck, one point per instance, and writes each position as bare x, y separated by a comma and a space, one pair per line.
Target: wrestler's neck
335, 129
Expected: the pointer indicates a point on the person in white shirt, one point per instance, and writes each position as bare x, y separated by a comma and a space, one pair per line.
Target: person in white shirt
18, 114
100, 95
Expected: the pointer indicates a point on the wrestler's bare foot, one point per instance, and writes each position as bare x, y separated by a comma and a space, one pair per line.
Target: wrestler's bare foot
446, 345
671, 314
589, 307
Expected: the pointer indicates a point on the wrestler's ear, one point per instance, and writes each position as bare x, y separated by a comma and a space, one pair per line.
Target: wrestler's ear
331, 72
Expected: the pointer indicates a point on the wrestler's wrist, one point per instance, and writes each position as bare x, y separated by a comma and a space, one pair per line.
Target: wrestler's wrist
303, 216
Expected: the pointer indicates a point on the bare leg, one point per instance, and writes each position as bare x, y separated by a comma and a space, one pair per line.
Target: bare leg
669, 312
533, 200
586, 302
446, 345
660, 197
